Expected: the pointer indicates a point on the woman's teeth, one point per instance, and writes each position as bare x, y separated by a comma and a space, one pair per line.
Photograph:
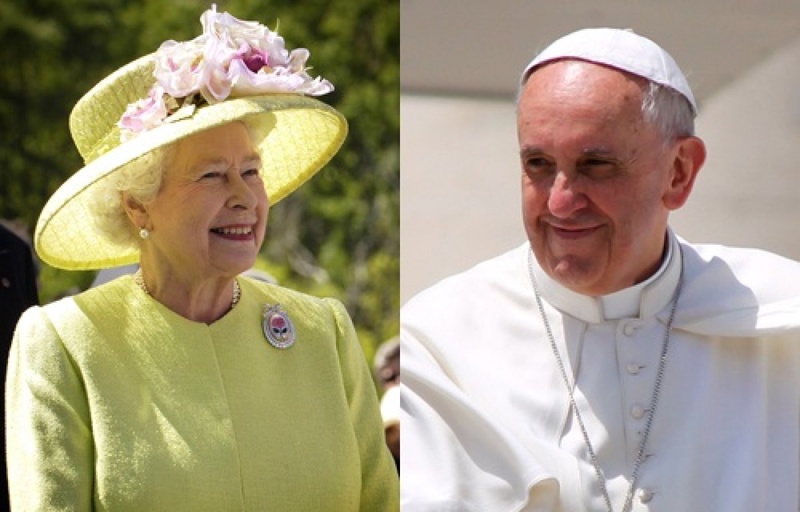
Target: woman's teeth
233, 231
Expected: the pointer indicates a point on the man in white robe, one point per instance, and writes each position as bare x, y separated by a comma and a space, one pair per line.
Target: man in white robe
605, 364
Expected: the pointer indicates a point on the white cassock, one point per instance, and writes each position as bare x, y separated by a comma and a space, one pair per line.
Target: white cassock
486, 420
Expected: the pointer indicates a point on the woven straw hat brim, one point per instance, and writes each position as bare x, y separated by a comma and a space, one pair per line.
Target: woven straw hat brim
295, 136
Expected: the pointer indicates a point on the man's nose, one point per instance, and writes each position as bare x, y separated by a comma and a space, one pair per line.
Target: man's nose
565, 197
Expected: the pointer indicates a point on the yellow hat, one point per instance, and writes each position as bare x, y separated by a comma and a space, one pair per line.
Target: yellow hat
235, 71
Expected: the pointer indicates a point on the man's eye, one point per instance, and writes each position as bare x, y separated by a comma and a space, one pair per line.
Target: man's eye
598, 162
537, 162
598, 168
538, 167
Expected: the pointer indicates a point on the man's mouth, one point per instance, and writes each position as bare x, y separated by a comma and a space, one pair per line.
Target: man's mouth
573, 231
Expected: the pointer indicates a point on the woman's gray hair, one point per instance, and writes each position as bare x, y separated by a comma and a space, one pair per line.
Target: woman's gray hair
142, 179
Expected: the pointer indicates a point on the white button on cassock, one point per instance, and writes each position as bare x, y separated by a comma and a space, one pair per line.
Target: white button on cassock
629, 329
633, 368
646, 495
637, 411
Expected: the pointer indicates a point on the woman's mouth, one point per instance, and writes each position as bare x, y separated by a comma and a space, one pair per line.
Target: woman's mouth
234, 232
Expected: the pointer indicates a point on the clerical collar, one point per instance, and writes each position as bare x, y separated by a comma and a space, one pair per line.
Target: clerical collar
642, 300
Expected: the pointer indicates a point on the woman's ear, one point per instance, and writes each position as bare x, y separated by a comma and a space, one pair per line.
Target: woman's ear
688, 157
135, 211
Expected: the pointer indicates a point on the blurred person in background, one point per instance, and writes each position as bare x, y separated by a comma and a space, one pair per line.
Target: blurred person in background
18, 292
387, 370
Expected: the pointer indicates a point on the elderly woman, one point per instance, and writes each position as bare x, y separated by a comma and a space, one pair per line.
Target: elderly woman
187, 386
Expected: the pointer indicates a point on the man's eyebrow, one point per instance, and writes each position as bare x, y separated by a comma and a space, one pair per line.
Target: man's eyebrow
530, 150
588, 150
597, 150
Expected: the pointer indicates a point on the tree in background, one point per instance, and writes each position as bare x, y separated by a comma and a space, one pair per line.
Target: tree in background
337, 236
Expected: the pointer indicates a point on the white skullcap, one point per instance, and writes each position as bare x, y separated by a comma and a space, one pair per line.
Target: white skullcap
620, 49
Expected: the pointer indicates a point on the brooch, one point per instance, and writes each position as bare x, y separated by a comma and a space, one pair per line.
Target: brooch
278, 327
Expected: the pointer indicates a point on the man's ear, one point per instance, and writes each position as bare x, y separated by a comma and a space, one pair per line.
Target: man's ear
689, 154
136, 211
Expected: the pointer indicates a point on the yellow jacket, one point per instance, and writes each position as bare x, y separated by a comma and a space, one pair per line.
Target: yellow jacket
114, 402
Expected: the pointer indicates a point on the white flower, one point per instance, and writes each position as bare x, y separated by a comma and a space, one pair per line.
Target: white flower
179, 67
215, 85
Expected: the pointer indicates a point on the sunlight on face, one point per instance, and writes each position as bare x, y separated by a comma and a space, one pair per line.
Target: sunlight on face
210, 216
594, 176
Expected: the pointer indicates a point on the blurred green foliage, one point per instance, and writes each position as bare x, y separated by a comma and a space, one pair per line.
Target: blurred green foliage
337, 236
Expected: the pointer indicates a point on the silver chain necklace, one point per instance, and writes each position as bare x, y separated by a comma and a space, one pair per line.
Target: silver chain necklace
662, 363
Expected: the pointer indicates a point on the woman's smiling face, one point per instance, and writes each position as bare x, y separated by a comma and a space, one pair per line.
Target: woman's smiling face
210, 215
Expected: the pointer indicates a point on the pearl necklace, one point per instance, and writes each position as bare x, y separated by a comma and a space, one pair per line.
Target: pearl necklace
662, 363
138, 278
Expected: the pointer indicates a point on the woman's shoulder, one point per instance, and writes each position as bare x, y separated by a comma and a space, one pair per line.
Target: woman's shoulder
104, 300
318, 316
272, 293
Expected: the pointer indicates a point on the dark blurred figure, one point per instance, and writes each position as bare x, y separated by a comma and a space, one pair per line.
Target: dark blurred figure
17, 293
17, 282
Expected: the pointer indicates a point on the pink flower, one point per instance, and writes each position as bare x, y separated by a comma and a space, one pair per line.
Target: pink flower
144, 115
254, 59
248, 81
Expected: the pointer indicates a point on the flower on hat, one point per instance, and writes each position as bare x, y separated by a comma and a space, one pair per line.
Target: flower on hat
232, 58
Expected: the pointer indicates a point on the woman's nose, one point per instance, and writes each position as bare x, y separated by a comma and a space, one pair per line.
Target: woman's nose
241, 195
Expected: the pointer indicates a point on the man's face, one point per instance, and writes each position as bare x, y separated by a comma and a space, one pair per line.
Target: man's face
594, 177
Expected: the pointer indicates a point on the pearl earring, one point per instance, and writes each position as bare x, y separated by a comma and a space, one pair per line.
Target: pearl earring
144, 233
